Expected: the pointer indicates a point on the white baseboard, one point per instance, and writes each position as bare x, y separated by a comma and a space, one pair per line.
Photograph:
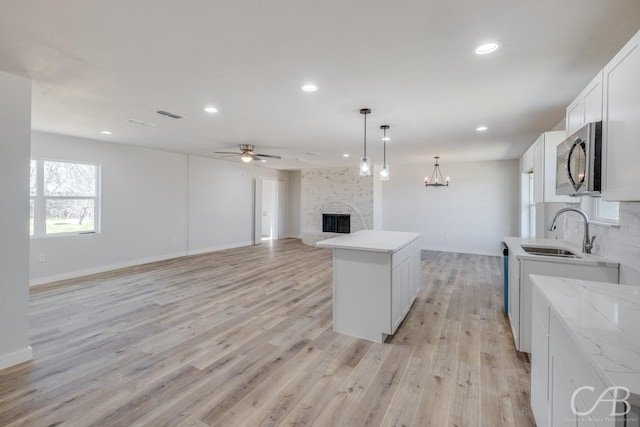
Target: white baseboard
101, 269
219, 248
7, 360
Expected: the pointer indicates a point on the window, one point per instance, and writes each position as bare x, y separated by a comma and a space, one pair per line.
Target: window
64, 197
600, 211
532, 207
605, 211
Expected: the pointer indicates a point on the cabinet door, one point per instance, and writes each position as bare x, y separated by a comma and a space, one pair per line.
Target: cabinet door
414, 274
399, 293
621, 124
396, 297
575, 114
561, 391
586, 108
538, 170
592, 100
527, 161
514, 299
540, 361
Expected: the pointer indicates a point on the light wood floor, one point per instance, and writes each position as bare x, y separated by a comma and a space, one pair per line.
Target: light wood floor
244, 337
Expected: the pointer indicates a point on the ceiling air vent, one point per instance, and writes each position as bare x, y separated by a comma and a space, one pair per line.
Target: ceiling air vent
170, 114
140, 123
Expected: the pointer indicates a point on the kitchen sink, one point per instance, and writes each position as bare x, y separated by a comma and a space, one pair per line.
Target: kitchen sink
549, 251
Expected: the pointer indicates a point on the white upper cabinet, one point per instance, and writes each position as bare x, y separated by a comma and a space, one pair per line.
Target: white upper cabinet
621, 124
587, 107
544, 168
527, 160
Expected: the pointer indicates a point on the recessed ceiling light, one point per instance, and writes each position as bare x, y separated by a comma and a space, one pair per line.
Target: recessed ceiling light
309, 87
489, 47
106, 132
345, 155
481, 128
211, 109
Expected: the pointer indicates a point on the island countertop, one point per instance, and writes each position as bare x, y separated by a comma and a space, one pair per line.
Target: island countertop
603, 319
371, 240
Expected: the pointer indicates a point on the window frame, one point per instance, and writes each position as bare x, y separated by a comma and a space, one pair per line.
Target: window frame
591, 206
40, 200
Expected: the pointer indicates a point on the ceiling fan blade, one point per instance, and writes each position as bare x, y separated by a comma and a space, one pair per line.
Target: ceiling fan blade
268, 155
227, 152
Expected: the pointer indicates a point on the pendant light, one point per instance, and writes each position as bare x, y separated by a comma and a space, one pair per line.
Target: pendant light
365, 162
436, 177
384, 172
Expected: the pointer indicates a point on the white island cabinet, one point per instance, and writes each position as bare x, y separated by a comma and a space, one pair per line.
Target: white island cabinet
376, 275
585, 363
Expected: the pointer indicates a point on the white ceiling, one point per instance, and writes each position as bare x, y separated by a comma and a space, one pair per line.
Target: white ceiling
97, 64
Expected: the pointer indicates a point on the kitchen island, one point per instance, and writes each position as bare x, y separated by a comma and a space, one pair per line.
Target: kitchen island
376, 276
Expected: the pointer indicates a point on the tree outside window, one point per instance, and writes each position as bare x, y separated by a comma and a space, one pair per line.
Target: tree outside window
64, 197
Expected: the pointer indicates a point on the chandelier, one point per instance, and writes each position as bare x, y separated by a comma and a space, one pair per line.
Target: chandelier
436, 177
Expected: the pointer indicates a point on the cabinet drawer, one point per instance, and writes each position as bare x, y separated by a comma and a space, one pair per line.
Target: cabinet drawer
402, 255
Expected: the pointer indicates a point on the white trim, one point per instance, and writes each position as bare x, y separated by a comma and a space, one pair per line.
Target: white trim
219, 248
16, 357
102, 269
604, 223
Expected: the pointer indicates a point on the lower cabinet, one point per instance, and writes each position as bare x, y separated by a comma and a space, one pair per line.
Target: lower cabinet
565, 389
540, 361
405, 278
520, 290
562, 389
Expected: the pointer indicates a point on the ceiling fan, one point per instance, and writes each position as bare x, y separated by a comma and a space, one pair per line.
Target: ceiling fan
247, 155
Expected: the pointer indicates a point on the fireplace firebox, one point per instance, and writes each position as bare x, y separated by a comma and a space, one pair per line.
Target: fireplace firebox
336, 223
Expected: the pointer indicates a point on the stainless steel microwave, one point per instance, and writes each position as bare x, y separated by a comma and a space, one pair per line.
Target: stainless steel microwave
579, 162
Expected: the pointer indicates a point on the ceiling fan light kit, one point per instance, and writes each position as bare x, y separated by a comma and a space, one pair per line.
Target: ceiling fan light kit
247, 154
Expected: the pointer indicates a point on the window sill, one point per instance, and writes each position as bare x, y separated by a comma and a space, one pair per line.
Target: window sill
604, 224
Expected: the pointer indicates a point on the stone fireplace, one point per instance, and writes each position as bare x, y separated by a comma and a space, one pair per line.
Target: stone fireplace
339, 191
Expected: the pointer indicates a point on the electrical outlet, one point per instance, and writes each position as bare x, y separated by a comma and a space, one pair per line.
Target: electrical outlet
42, 258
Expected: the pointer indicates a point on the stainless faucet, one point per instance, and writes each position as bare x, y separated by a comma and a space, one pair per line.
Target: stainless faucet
587, 243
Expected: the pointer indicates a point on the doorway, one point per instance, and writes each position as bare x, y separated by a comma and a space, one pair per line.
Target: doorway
268, 210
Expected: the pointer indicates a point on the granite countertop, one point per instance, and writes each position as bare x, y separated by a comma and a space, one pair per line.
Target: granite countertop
604, 320
371, 240
514, 244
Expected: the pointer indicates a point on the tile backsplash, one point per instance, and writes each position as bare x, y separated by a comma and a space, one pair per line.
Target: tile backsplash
619, 243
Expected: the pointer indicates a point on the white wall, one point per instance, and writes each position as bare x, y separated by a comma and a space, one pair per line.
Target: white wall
221, 203
15, 128
471, 215
154, 205
143, 209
